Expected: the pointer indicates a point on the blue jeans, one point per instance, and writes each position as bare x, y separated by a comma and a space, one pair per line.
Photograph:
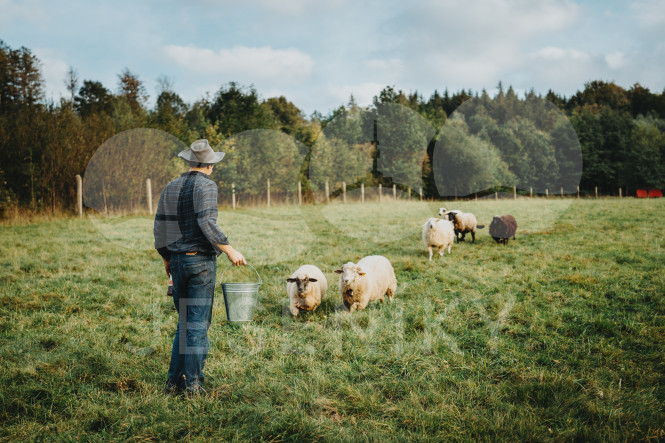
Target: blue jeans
193, 295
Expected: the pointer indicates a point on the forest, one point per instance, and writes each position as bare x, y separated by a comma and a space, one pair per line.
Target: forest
602, 136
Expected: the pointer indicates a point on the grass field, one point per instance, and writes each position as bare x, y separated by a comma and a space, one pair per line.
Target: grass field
560, 335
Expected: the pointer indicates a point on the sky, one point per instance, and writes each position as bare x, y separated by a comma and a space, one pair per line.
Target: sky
318, 53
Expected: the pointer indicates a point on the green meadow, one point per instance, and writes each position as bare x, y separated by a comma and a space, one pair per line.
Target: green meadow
559, 335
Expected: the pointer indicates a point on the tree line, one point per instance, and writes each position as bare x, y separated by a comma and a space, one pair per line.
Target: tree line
44, 144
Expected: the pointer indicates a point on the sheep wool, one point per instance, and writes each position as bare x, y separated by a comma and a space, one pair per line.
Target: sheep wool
464, 222
502, 228
306, 286
371, 279
439, 234
443, 212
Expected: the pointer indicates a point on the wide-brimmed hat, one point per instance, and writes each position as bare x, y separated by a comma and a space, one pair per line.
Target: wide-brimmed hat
200, 151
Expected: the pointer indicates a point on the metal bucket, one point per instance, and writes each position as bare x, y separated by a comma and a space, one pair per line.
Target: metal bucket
240, 298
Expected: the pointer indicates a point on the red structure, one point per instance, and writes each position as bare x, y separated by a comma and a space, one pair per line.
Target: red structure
651, 193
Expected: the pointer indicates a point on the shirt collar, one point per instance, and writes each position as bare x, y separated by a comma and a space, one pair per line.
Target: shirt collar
195, 173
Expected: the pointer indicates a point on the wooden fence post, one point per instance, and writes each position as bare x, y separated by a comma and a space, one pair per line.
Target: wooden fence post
327, 192
476, 196
148, 190
514, 192
620, 192
596, 189
547, 193
421, 194
561, 191
394, 192
578, 192
362, 192
380, 192
79, 195
344, 192
409, 193
268, 191
496, 196
531, 191
233, 195
299, 193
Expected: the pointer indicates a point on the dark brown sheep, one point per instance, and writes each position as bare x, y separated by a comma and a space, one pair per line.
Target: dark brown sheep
502, 228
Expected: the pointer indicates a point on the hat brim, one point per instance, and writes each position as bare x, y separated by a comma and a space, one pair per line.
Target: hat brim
188, 155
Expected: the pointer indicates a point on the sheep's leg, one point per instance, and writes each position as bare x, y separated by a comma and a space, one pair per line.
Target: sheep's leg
354, 306
441, 251
390, 292
429, 248
473, 236
294, 310
450, 245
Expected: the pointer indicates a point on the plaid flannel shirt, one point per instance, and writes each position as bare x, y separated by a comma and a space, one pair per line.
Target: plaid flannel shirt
186, 219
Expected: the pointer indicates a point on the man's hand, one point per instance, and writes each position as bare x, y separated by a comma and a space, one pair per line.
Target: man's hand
167, 267
235, 257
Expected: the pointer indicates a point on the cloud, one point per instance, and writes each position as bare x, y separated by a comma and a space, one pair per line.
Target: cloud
362, 93
555, 54
280, 65
298, 7
472, 43
650, 13
567, 69
54, 71
616, 60
282, 7
27, 10
484, 26
385, 65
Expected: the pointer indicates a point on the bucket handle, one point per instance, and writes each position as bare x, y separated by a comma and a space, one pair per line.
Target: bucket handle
257, 273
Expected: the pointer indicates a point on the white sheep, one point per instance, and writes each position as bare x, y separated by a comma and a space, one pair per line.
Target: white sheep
464, 222
443, 212
438, 233
371, 279
306, 286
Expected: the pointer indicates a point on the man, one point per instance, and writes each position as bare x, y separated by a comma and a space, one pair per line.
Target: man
189, 241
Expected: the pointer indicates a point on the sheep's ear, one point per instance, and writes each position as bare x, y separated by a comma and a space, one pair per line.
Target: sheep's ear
338, 271
313, 279
291, 280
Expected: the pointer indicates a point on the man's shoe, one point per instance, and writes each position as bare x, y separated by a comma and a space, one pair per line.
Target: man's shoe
195, 391
174, 388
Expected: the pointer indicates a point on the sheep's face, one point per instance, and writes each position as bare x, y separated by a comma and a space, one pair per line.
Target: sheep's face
442, 211
349, 275
431, 222
302, 282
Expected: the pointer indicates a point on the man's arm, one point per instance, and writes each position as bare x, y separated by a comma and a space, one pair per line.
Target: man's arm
234, 256
159, 232
205, 204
